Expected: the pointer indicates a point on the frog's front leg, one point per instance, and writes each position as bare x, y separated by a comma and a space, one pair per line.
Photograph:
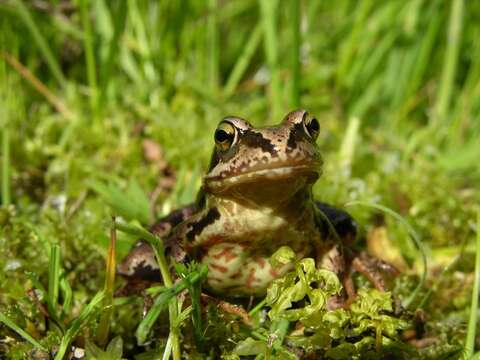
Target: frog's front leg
340, 230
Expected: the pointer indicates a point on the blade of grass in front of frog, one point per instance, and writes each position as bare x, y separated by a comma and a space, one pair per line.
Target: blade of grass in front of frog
195, 290
40, 41
74, 328
54, 272
105, 317
146, 324
7, 322
243, 61
67, 295
165, 298
472, 321
412, 233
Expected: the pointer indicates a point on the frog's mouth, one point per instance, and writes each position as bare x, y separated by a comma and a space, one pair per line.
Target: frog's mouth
280, 178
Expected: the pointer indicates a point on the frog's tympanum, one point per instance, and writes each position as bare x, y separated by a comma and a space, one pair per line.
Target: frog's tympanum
255, 198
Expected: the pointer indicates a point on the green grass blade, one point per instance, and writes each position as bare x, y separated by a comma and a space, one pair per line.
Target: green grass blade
119, 22
5, 320
294, 50
243, 61
164, 299
350, 45
67, 295
212, 41
88, 43
415, 237
5, 164
74, 328
40, 41
451, 59
268, 10
159, 250
109, 288
54, 272
5, 125
472, 321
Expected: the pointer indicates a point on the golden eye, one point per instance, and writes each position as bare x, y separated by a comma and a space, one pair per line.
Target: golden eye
312, 126
224, 136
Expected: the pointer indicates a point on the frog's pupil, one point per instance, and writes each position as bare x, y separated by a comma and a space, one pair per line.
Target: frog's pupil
314, 126
222, 136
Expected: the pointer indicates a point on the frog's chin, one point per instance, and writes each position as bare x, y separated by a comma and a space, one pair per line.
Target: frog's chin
277, 182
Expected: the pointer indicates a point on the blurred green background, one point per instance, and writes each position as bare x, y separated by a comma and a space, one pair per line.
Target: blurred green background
115, 102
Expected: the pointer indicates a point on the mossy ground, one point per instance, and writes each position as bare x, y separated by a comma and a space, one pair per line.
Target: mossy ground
128, 94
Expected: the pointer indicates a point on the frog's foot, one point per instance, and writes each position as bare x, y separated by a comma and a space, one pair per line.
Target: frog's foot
372, 268
229, 308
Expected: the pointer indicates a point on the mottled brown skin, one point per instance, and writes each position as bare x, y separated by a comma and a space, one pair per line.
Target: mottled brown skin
256, 197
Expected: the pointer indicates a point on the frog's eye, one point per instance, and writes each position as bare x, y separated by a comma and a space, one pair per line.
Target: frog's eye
312, 126
224, 136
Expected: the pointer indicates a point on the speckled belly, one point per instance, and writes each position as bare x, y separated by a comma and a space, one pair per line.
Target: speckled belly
233, 271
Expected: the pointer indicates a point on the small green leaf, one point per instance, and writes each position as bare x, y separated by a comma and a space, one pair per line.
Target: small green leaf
283, 256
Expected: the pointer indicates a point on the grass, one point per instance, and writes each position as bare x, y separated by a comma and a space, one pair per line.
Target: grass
108, 108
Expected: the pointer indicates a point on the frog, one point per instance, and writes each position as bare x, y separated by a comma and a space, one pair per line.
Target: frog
256, 197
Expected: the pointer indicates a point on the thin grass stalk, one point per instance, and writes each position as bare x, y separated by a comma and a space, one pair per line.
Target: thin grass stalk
294, 17
451, 60
468, 95
243, 61
159, 250
39, 86
7, 322
472, 321
53, 279
120, 16
40, 41
268, 10
4, 122
74, 328
212, 41
105, 318
349, 47
89, 54
5, 161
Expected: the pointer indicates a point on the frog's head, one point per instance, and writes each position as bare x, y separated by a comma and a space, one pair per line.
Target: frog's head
270, 163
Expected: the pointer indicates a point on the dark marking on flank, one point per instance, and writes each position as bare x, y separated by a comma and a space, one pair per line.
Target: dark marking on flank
146, 272
196, 227
163, 226
296, 134
255, 139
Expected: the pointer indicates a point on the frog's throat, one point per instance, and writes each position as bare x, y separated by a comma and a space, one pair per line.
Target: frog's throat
215, 184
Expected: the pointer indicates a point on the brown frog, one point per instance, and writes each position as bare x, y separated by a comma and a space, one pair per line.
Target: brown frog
256, 197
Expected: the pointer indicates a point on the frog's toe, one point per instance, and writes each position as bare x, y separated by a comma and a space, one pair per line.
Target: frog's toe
372, 269
140, 263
